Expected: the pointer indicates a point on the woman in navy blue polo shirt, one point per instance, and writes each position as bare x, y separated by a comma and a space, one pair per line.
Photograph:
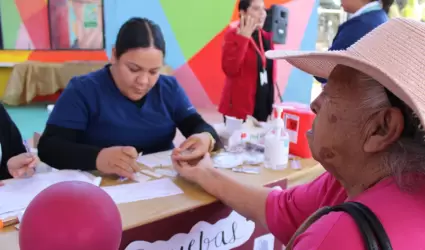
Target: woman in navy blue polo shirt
366, 15
103, 119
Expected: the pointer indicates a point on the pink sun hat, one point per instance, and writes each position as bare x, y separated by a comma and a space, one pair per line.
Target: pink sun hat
393, 54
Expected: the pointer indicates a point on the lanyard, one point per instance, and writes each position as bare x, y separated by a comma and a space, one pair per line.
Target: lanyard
260, 50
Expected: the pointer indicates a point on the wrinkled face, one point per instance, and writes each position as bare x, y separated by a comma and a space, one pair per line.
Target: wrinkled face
137, 71
257, 11
347, 129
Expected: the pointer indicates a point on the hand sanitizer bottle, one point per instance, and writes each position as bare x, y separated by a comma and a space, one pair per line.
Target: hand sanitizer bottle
276, 152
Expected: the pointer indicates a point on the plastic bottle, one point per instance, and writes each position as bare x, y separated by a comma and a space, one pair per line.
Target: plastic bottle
276, 152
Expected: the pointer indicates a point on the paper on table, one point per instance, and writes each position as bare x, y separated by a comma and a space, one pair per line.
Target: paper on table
18, 213
166, 172
16, 194
151, 173
139, 177
160, 159
126, 193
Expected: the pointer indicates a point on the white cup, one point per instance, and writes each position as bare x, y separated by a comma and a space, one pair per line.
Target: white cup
233, 124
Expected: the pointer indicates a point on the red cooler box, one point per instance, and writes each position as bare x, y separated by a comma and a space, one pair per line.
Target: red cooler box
298, 119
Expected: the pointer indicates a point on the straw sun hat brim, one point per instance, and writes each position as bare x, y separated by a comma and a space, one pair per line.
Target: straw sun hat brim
321, 64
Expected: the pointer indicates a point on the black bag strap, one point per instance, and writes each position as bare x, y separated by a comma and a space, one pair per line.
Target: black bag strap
377, 228
371, 229
365, 230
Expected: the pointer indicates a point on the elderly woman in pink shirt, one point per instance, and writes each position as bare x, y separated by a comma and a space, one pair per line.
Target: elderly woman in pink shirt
368, 135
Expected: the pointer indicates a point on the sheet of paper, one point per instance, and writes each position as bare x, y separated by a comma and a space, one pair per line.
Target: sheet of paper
44, 168
18, 213
151, 173
147, 160
166, 172
160, 159
126, 193
139, 177
16, 194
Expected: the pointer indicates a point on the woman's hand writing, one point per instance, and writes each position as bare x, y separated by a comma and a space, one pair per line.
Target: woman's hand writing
120, 160
22, 165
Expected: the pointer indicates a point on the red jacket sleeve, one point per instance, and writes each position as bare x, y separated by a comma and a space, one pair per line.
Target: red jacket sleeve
234, 50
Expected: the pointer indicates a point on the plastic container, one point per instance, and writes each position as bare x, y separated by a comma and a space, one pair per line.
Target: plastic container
298, 119
233, 124
276, 151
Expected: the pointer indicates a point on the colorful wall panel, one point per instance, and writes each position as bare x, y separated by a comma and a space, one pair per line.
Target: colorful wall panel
24, 24
193, 31
77, 24
53, 24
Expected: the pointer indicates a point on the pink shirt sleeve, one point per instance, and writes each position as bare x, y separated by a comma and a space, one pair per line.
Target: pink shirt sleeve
287, 209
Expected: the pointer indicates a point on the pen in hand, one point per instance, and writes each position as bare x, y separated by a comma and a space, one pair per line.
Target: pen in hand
27, 148
121, 178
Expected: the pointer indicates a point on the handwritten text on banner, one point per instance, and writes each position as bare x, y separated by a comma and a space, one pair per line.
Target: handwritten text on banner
227, 233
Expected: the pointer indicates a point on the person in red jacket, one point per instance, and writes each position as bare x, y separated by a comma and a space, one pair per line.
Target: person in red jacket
249, 88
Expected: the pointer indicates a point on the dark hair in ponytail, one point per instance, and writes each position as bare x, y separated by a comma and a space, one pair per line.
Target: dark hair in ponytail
244, 5
136, 33
386, 5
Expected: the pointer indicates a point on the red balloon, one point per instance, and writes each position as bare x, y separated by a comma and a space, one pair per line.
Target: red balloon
71, 215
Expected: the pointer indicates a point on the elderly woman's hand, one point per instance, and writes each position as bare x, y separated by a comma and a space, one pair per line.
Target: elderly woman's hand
193, 172
22, 165
194, 148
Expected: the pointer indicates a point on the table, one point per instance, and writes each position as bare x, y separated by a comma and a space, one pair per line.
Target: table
32, 79
138, 216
